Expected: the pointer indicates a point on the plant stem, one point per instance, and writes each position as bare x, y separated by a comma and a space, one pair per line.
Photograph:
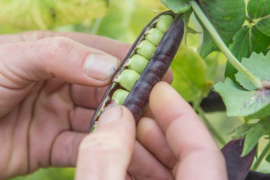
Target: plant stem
261, 157
96, 26
222, 46
211, 128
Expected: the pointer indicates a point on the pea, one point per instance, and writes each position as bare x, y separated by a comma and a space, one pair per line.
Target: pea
164, 23
146, 49
127, 78
137, 63
154, 35
119, 96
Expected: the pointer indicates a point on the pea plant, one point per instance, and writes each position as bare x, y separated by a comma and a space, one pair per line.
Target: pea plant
238, 29
241, 32
242, 36
145, 65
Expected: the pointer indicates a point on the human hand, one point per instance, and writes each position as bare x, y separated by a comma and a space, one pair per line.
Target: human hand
177, 139
44, 115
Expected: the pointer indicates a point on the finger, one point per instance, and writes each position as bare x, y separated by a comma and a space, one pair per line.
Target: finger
24, 63
188, 138
90, 97
128, 177
110, 46
152, 138
55, 57
65, 149
80, 119
106, 153
144, 166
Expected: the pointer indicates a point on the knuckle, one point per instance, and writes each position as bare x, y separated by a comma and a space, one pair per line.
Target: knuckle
57, 45
101, 144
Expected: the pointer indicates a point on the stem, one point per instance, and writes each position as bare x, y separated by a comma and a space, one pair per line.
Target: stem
213, 131
222, 46
96, 26
261, 157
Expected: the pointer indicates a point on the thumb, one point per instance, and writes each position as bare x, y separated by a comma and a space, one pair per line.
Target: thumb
106, 153
59, 57
21, 64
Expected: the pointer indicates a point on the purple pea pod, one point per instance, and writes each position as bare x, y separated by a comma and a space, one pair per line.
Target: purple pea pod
252, 175
145, 64
237, 166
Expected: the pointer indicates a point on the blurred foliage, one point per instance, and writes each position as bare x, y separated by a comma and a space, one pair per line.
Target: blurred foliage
43, 15
124, 21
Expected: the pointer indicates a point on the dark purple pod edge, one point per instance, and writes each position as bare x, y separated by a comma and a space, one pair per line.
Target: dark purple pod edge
154, 71
156, 68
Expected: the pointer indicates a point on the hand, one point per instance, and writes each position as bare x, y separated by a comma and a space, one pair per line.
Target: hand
44, 115
177, 139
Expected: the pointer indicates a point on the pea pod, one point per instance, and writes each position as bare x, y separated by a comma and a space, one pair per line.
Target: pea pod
155, 48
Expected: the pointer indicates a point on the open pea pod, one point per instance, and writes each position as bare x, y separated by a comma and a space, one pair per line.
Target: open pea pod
145, 64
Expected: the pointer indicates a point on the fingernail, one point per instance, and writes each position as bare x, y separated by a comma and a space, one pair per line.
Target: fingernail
99, 66
110, 114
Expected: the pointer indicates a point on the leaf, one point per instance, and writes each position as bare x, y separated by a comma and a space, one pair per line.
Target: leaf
190, 75
259, 11
255, 133
8, 30
257, 64
212, 66
227, 16
187, 16
192, 31
241, 131
253, 103
177, 6
240, 102
247, 40
126, 19
268, 158
31, 14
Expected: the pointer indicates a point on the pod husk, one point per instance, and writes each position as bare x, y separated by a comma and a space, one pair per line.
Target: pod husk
158, 64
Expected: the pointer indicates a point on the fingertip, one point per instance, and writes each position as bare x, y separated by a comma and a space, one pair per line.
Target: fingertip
168, 77
107, 152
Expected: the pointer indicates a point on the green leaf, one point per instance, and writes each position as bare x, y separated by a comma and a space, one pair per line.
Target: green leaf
259, 12
257, 64
37, 14
268, 158
227, 16
240, 102
8, 30
254, 134
212, 66
249, 102
177, 6
247, 40
187, 16
241, 131
190, 75
258, 8
126, 20
192, 31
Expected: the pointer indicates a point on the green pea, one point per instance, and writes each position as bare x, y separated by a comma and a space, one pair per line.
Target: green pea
164, 23
137, 63
127, 78
146, 49
154, 36
119, 96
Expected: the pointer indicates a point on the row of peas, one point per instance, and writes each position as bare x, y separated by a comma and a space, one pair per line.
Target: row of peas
137, 62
